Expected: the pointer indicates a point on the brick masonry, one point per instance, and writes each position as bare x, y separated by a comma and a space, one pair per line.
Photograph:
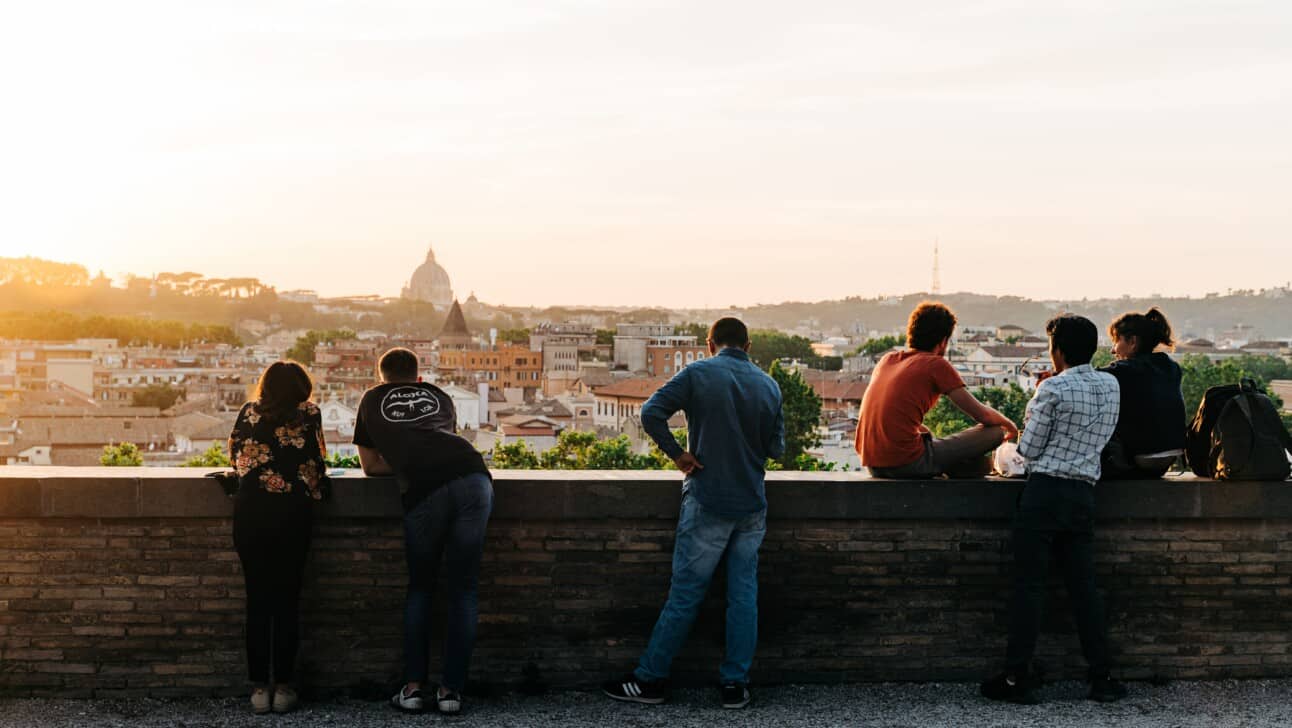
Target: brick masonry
122, 582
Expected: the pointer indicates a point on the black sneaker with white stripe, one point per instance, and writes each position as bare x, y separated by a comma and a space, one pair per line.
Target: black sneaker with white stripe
632, 689
735, 695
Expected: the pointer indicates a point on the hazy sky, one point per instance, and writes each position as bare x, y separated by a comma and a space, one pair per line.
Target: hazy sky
634, 152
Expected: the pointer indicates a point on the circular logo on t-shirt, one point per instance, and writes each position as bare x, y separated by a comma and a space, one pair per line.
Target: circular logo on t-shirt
409, 404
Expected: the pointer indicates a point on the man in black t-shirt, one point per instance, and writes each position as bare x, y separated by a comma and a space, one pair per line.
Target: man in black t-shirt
407, 428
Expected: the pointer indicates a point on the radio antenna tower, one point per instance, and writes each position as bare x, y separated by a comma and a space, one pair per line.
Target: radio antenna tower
936, 288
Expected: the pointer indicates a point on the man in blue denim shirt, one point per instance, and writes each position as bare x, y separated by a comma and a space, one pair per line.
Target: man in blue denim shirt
735, 423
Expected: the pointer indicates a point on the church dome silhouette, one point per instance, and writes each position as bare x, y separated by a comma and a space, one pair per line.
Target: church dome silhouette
430, 283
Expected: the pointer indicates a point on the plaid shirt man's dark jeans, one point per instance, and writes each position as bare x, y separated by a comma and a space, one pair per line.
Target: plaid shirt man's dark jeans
1055, 517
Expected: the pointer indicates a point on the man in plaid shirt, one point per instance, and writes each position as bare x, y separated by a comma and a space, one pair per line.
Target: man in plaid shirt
1069, 421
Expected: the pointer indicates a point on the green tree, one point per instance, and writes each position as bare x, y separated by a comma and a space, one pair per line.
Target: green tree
946, 419
770, 346
699, 331
875, 348
1102, 358
570, 452
125, 454
513, 336
213, 457
162, 396
657, 460
342, 461
801, 407
303, 350
605, 337
514, 456
1200, 374
826, 363
613, 454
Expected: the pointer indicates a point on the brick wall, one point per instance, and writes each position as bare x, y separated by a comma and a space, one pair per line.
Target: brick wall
124, 582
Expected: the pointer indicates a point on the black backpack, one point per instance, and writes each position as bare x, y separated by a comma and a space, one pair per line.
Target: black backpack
1237, 435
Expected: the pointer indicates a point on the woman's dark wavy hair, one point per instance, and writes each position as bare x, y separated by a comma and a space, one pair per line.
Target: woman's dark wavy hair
1151, 329
283, 386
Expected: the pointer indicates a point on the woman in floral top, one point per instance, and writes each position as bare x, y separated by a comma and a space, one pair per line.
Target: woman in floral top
277, 448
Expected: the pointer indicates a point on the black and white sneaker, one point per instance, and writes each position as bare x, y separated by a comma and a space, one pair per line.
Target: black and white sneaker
631, 689
735, 696
449, 703
408, 701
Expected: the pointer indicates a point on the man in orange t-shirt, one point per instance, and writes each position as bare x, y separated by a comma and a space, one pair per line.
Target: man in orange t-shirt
891, 438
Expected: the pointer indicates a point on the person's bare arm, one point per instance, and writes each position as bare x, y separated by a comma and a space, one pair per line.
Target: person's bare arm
373, 463
981, 413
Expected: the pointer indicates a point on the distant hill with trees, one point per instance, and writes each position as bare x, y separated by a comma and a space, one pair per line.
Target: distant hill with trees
1266, 311
32, 284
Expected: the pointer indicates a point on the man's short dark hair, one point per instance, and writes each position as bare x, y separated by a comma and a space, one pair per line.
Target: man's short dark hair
1076, 336
729, 332
398, 365
930, 324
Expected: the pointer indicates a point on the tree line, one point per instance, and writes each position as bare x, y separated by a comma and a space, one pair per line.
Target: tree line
126, 330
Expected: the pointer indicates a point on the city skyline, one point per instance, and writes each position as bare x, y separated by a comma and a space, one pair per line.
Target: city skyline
617, 154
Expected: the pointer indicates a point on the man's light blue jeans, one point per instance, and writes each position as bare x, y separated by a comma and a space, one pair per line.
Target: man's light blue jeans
702, 538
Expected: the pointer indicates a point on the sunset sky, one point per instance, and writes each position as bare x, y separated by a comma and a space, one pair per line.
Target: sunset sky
673, 153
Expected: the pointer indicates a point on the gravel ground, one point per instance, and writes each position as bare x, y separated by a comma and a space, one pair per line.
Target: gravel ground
1180, 705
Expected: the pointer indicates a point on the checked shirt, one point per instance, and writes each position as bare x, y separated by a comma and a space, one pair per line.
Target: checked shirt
1069, 421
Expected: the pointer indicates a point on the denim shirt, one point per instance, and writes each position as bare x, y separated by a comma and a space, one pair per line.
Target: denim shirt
734, 423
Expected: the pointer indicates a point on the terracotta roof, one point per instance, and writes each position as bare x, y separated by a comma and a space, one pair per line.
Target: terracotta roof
596, 377
639, 388
546, 408
201, 426
93, 431
81, 411
834, 391
528, 421
522, 426
64, 396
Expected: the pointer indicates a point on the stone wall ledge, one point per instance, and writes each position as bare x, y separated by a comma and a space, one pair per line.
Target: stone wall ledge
120, 493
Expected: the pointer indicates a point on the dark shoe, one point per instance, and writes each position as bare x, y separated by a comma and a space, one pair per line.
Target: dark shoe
632, 689
408, 701
1010, 689
1106, 690
735, 696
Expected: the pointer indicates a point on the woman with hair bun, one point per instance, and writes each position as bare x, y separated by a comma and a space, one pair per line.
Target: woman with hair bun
1150, 431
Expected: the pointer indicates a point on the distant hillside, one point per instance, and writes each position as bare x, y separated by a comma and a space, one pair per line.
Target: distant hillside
32, 284
1269, 312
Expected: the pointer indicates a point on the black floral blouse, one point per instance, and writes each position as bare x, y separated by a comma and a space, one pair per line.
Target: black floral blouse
282, 458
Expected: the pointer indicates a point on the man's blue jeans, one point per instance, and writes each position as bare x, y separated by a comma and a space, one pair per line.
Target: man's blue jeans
450, 524
702, 538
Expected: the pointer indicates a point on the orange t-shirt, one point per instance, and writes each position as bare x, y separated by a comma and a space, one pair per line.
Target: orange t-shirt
903, 388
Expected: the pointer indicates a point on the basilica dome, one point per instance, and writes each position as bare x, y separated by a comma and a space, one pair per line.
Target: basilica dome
430, 283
